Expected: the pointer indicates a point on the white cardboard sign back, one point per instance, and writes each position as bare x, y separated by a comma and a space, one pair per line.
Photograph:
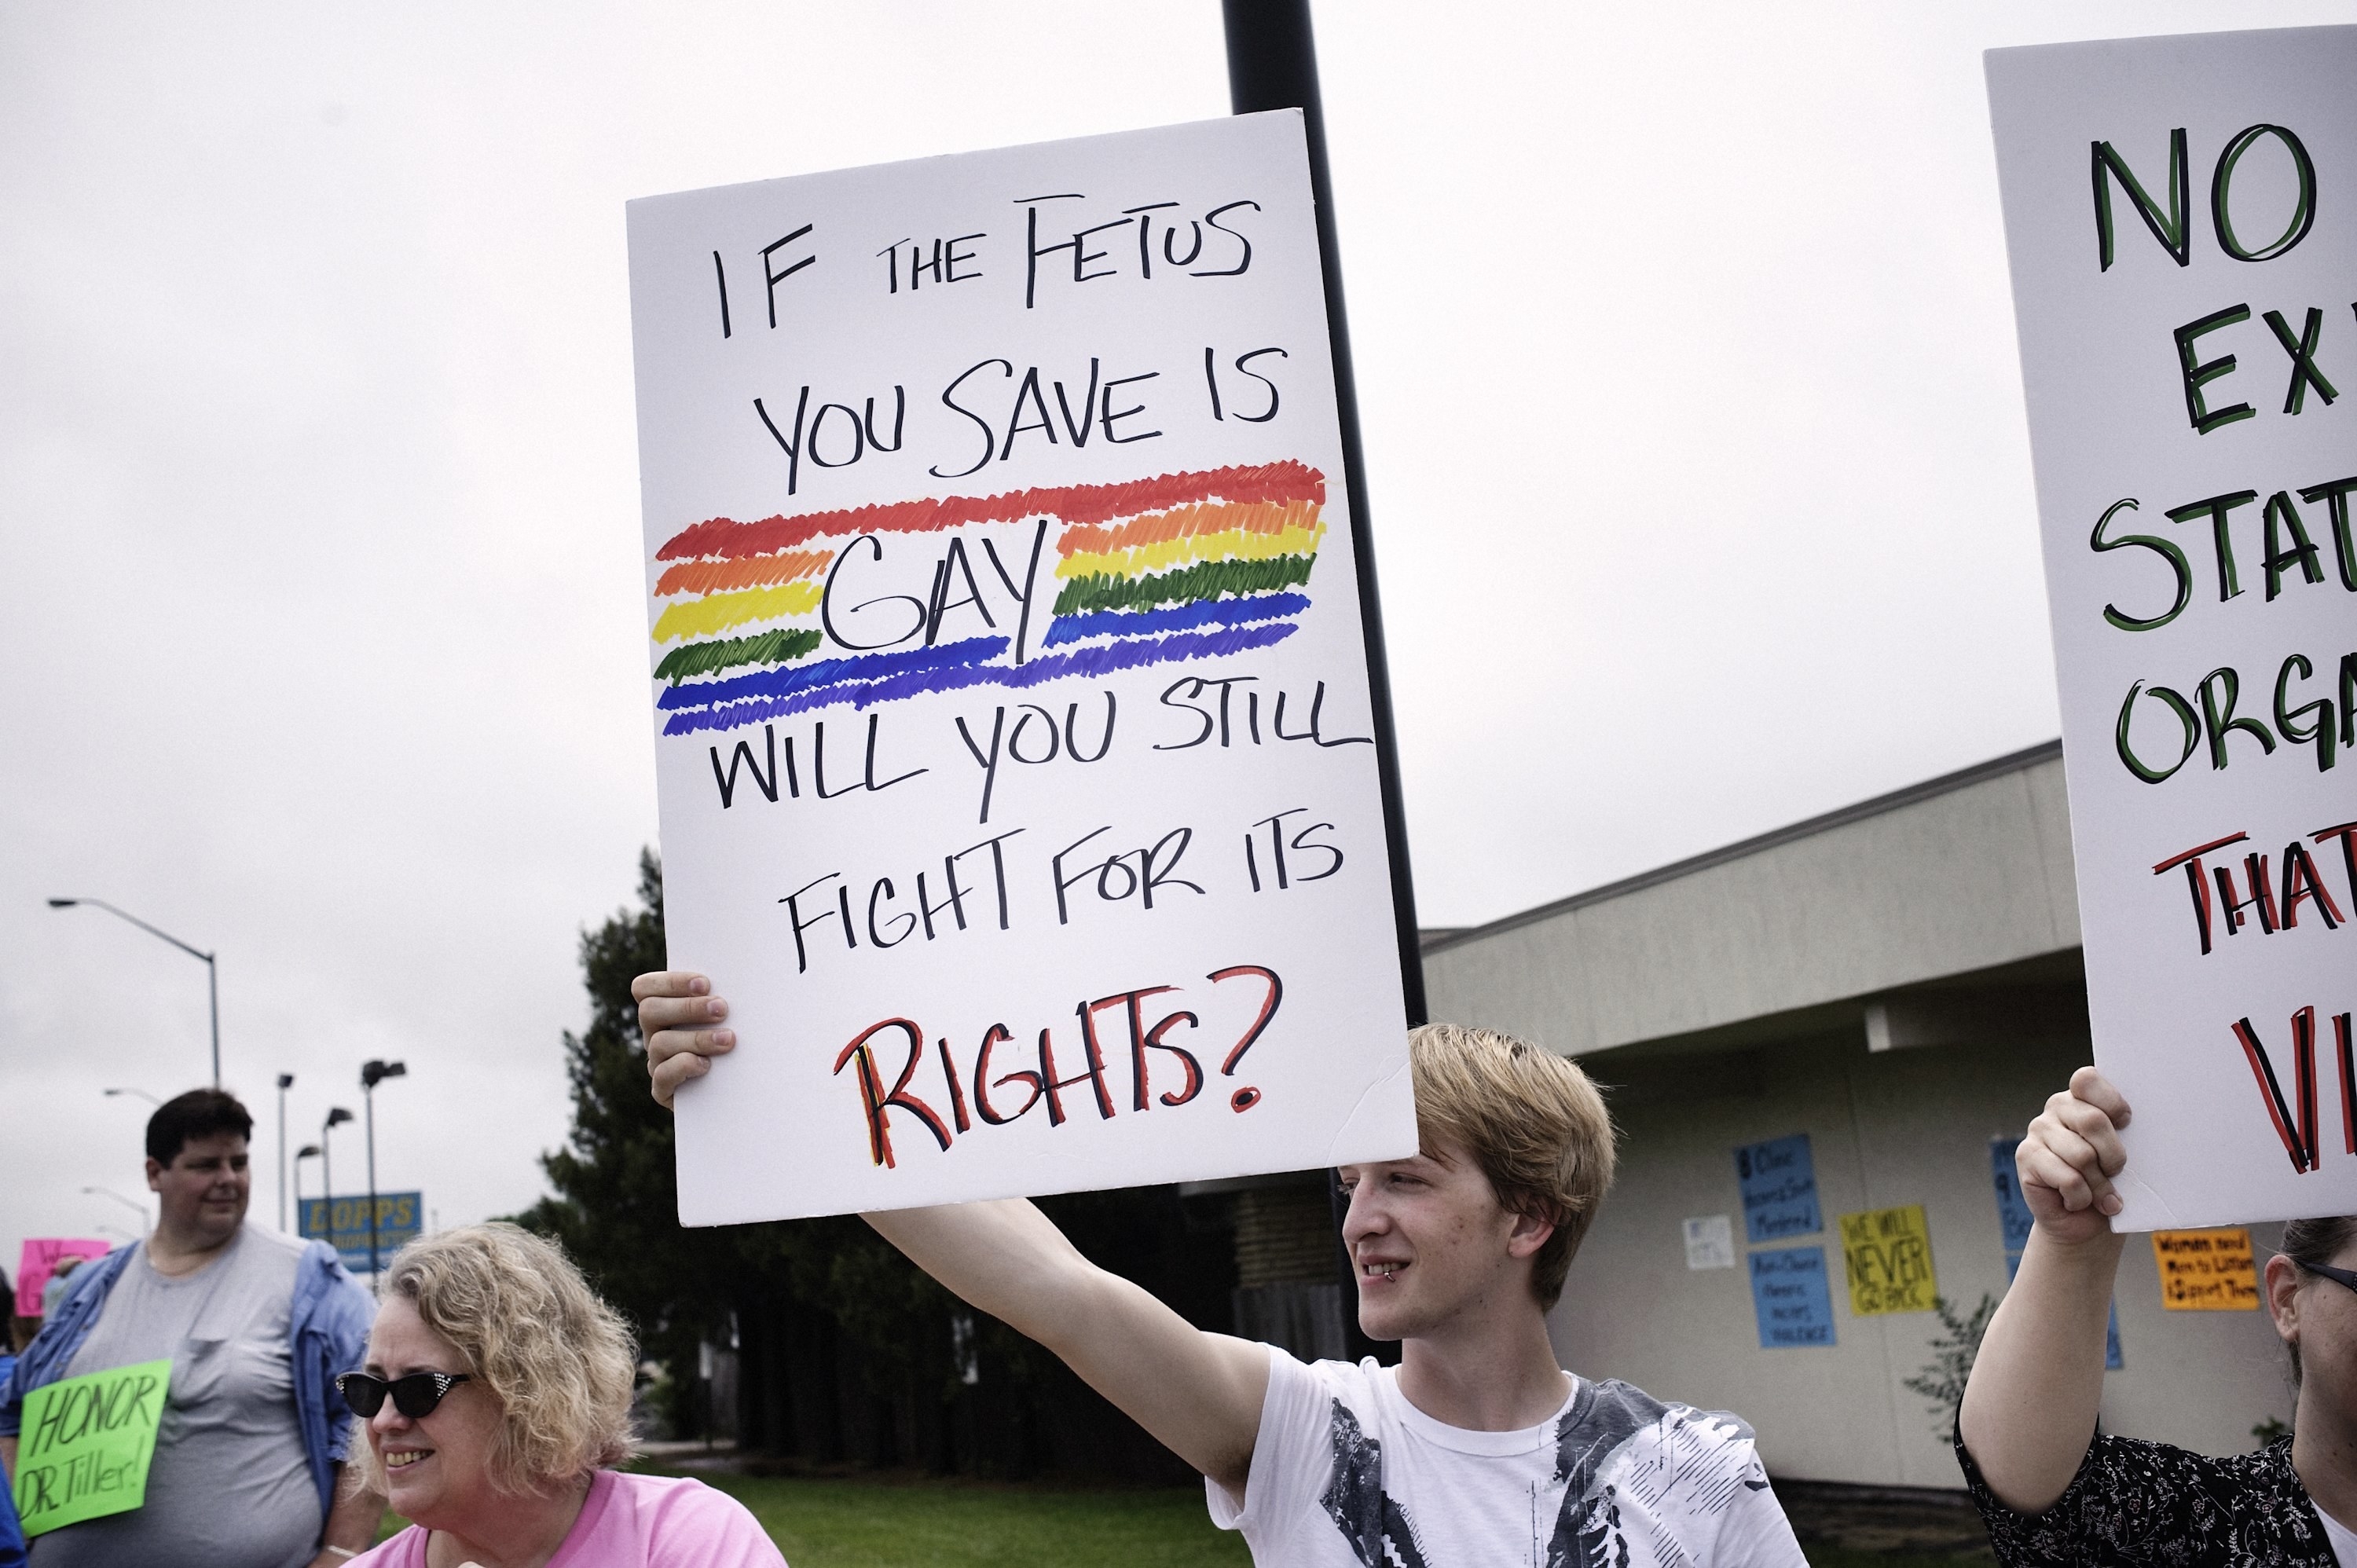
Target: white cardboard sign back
2181, 219
1011, 696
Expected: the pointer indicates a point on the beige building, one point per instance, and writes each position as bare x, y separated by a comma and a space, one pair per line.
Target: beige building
1901, 982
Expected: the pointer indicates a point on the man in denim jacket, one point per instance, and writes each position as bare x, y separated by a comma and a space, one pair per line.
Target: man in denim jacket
249, 1464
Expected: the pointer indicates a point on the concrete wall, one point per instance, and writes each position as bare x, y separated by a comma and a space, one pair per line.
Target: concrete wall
1732, 999
1971, 877
1886, 1129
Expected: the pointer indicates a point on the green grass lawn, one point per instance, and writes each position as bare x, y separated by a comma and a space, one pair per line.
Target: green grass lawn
884, 1524
878, 1522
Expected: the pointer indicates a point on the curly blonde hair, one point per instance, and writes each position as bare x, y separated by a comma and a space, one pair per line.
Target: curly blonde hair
1533, 1122
559, 1361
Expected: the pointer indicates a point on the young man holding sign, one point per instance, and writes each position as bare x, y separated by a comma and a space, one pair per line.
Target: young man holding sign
228, 1443
1479, 1449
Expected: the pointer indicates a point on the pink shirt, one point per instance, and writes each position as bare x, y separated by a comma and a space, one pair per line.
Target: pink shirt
633, 1521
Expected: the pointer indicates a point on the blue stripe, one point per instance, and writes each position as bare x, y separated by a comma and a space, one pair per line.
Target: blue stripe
1177, 618
915, 681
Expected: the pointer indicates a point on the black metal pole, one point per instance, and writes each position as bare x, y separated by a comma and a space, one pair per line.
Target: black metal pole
212, 1005
1273, 64
285, 1082
370, 1102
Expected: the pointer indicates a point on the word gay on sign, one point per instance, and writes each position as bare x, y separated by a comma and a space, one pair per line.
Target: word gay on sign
1015, 733
86, 1444
2181, 219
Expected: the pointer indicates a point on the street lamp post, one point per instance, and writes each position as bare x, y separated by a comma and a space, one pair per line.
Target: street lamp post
212, 970
372, 1074
141, 1093
337, 1117
285, 1082
127, 1203
307, 1152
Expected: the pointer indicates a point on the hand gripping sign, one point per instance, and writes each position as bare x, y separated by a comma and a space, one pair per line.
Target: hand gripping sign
2181, 216
1013, 716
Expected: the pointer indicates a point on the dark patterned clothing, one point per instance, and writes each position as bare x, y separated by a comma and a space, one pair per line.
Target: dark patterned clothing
2147, 1503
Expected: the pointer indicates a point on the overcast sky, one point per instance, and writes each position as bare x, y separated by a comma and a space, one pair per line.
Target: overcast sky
1696, 470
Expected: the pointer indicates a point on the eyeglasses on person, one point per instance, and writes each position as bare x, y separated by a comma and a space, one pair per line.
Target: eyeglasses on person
413, 1396
2325, 1271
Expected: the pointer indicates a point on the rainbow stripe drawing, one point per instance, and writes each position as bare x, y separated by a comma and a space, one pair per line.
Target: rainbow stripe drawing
1182, 566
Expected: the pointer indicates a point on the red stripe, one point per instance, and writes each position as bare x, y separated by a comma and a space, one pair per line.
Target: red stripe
2197, 851
2348, 1080
725, 538
2269, 1090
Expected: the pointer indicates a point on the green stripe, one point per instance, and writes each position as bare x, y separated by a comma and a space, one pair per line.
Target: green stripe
780, 646
1205, 580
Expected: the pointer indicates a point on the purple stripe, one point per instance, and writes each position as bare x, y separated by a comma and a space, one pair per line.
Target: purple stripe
1104, 660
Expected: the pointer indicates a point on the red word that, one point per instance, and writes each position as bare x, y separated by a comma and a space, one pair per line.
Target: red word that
2260, 903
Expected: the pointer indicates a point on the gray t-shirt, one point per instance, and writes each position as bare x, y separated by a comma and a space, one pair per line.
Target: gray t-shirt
230, 1487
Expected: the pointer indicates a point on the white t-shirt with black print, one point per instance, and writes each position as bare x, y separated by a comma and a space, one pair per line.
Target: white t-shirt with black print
1347, 1474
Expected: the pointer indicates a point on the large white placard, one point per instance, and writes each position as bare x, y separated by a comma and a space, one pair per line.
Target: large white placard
1012, 721
2181, 215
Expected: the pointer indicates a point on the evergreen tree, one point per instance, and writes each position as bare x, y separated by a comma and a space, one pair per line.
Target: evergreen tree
615, 1209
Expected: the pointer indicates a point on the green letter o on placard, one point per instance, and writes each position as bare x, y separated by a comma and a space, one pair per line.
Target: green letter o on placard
2176, 704
2303, 216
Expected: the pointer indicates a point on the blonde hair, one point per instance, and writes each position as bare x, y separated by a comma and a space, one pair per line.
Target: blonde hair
559, 1361
1532, 1122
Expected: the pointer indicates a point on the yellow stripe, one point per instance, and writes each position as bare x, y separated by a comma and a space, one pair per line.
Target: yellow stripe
1234, 545
718, 612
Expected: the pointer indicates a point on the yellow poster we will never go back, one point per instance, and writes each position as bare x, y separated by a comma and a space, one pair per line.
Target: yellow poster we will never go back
1887, 1254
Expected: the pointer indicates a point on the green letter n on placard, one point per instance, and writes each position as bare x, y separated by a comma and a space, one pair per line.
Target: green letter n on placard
86, 1443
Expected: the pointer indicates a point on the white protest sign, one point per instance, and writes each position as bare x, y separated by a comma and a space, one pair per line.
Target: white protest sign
1012, 725
2181, 217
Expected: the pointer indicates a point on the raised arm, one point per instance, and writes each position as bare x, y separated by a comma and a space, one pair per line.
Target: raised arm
2029, 1408
1200, 1394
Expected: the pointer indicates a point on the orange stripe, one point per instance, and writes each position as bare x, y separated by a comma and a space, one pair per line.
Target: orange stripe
752, 572
1185, 522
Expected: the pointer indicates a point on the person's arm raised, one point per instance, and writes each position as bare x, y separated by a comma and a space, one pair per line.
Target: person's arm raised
1198, 1393
2029, 1408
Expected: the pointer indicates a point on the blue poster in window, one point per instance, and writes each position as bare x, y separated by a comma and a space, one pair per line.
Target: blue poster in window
1780, 1188
1790, 1297
2013, 1215
2012, 1209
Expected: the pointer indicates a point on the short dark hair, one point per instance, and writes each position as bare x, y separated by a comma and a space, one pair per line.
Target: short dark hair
199, 1114
2309, 1242
2312, 1243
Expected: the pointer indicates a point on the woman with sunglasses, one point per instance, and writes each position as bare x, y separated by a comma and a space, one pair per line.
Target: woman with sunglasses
2048, 1494
496, 1399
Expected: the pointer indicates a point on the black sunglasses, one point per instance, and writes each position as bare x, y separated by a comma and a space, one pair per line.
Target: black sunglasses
413, 1396
2338, 1276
